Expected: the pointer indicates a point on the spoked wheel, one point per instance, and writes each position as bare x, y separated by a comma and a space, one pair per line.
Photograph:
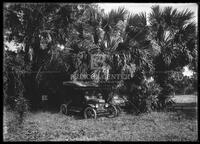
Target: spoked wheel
90, 112
112, 110
63, 109
119, 110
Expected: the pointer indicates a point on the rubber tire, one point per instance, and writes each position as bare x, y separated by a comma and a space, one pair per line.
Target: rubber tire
63, 109
115, 112
93, 110
119, 110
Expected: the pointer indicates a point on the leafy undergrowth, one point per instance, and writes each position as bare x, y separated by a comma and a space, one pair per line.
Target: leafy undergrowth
155, 126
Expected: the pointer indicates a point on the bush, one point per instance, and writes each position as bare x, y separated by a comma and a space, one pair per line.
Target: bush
165, 95
21, 107
145, 97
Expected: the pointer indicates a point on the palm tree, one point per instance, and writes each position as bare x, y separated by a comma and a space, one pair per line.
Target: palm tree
97, 32
173, 31
124, 39
175, 35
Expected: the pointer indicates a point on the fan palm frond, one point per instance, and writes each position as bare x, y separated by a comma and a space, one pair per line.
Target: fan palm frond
156, 15
116, 15
183, 17
111, 19
137, 20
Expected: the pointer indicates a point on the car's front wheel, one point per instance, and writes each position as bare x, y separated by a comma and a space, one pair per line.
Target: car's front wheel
119, 110
112, 110
63, 109
90, 112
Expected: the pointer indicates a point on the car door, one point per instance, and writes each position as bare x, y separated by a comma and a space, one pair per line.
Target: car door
77, 104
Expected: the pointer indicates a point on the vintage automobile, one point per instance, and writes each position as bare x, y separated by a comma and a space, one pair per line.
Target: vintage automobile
83, 97
118, 101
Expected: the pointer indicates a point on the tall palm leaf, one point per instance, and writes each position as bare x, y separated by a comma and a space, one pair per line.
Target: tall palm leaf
168, 28
111, 20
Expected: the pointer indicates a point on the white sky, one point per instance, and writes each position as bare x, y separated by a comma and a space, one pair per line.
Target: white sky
146, 7
12, 45
187, 72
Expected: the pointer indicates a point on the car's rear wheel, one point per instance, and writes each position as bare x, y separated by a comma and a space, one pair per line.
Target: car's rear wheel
63, 109
90, 112
112, 110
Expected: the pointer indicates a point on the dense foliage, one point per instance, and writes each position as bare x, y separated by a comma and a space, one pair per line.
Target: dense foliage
175, 34
59, 40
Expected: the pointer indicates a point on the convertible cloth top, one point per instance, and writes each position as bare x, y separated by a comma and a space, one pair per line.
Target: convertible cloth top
80, 84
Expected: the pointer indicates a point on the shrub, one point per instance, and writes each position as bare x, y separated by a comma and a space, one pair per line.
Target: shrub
165, 95
145, 97
21, 107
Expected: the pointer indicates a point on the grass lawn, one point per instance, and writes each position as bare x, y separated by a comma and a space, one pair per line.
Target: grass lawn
155, 126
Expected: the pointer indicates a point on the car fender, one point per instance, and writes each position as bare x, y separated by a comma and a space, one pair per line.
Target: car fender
68, 103
91, 105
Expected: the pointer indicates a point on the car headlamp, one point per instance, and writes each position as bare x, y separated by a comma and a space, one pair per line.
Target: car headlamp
106, 105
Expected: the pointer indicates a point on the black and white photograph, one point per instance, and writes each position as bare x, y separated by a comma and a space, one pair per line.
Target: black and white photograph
100, 72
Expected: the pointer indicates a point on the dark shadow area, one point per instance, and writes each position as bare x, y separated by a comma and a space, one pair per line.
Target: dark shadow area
189, 113
186, 110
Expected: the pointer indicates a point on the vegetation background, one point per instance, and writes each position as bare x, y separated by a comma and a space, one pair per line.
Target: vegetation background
57, 40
